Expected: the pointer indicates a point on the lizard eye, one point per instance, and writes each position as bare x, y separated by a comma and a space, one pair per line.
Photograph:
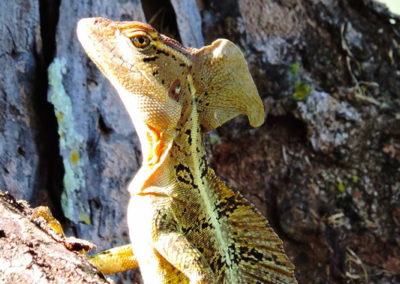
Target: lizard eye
140, 41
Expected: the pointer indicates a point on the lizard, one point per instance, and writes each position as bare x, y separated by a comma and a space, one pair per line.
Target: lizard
185, 225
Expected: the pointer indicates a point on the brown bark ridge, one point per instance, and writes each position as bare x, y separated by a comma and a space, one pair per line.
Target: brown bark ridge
28, 254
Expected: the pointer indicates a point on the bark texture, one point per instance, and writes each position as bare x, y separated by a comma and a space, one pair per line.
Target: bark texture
324, 168
19, 151
29, 255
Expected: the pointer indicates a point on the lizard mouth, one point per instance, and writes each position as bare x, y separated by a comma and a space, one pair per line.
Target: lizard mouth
99, 38
87, 30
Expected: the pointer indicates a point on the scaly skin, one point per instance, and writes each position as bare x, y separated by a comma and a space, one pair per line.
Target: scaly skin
185, 225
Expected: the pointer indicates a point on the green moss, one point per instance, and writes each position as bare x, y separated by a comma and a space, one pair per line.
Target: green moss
294, 68
341, 187
301, 90
70, 144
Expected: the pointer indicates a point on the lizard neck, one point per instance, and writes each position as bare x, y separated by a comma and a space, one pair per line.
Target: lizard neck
156, 148
154, 142
170, 157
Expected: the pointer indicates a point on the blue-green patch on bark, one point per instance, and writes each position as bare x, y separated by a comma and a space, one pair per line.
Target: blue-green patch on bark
71, 145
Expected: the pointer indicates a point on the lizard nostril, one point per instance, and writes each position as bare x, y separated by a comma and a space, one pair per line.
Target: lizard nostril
97, 21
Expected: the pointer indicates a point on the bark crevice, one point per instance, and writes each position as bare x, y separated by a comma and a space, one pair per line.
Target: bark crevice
51, 169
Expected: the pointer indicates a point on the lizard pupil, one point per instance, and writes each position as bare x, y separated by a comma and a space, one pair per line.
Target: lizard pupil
141, 41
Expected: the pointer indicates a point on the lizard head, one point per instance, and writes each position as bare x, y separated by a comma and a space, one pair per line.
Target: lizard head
150, 72
147, 69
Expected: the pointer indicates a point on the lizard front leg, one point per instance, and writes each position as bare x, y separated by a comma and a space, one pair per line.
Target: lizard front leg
179, 252
115, 260
111, 261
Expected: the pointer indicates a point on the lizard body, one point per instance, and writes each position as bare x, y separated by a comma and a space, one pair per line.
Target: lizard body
185, 225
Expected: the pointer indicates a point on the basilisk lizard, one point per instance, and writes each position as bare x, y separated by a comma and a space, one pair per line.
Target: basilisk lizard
185, 225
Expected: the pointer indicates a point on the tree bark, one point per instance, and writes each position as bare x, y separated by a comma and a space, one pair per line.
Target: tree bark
29, 255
